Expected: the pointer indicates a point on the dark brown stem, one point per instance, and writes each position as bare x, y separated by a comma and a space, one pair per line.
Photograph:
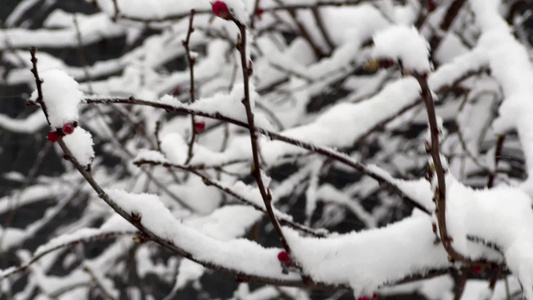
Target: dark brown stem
322, 28
446, 23
210, 182
38, 83
305, 34
328, 152
191, 60
440, 193
256, 168
497, 156
117, 11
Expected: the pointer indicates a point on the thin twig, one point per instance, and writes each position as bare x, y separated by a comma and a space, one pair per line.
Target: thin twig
269, 8
451, 14
210, 182
322, 28
25, 266
191, 60
256, 168
99, 284
326, 151
254, 14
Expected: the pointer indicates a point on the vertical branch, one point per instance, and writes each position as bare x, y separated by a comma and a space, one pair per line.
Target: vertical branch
434, 149
256, 168
303, 31
38, 83
117, 11
191, 60
254, 14
497, 155
446, 23
322, 28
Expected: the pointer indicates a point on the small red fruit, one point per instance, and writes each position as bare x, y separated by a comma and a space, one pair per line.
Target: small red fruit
177, 90
431, 5
477, 269
284, 258
363, 298
259, 12
220, 9
53, 136
68, 128
199, 126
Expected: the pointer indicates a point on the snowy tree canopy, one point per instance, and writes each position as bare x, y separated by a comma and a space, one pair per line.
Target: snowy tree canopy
266, 149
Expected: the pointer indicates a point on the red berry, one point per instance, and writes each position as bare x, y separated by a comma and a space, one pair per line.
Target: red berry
284, 258
199, 126
220, 9
259, 12
53, 136
68, 128
477, 269
177, 90
431, 5
363, 298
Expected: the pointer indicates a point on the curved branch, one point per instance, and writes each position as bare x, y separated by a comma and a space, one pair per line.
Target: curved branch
326, 151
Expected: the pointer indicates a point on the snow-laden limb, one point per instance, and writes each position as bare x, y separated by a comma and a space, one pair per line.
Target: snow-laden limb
404, 45
370, 259
28, 125
96, 269
188, 272
115, 226
511, 66
152, 215
93, 28
501, 216
229, 105
278, 143
49, 62
329, 194
61, 97
244, 193
147, 10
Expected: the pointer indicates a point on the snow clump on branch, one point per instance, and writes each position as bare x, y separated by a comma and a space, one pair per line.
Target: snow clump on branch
404, 45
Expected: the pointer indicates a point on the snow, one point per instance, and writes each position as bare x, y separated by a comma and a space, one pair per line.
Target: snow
229, 105
28, 125
115, 225
369, 259
175, 148
158, 219
61, 97
403, 44
80, 144
188, 271
510, 65
237, 9
92, 28
228, 222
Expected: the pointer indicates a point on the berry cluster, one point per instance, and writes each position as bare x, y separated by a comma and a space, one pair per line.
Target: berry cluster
68, 128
